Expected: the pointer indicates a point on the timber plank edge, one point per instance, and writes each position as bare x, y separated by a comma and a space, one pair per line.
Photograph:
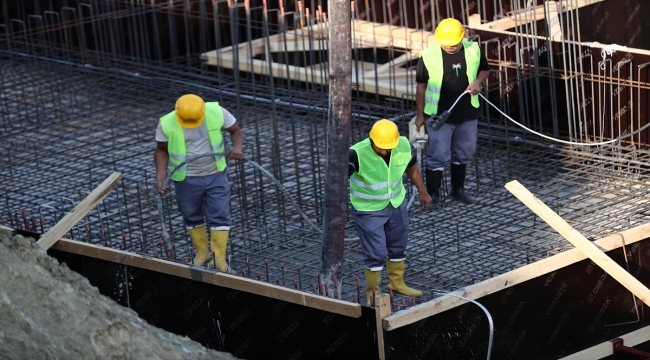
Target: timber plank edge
221, 279
511, 278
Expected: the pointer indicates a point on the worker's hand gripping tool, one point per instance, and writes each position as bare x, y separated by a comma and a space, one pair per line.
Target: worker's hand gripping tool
417, 138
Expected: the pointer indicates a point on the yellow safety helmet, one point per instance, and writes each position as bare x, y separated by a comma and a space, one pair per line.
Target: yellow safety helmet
384, 134
450, 32
190, 110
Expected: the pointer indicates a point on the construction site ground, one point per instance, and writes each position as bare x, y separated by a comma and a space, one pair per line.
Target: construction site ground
48, 311
82, 88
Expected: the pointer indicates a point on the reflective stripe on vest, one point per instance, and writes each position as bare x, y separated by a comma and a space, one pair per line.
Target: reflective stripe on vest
176, 139
432, 58
432, 95
174, 160
376, 185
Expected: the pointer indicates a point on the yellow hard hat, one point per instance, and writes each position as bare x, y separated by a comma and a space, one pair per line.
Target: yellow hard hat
384, 134
450, 32
190, 110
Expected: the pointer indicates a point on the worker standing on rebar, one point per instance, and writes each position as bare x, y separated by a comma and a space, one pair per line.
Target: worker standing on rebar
376, 167
202, 187
444, 72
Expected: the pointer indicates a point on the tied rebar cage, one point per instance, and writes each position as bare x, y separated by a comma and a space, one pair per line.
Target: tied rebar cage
84, 84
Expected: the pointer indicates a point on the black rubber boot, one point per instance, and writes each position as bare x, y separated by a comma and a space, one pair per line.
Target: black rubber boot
458, 184
434, 180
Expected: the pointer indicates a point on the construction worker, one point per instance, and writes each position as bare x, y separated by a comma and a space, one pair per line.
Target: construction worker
444, 72
202, 187
376, 167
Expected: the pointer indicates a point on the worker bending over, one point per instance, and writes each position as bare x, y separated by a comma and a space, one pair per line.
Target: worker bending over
444, 72
202, 187
377, 193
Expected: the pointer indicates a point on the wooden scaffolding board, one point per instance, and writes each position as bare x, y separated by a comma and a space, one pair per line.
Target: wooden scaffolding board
390, 79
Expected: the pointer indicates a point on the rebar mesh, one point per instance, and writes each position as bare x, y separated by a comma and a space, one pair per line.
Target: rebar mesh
81, 99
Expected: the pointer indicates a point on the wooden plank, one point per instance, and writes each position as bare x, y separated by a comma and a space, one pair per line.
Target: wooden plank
79, 211
7, 231
520, 19
221, 279
511, 278
528, 15
123, 257
382, 309
332, 305
285, 294
364, 35
606, 349
579, 241
366, 83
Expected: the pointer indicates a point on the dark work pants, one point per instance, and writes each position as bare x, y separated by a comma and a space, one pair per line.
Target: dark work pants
201, 197
383, 234
451, 144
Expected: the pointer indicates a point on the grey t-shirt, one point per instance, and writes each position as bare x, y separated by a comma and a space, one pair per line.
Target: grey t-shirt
197, 142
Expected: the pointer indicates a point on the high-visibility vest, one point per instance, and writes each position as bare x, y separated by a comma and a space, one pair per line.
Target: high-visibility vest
176, 139
374, 185
432, 58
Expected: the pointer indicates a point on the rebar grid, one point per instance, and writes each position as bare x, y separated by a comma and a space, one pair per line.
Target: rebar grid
73, 113
49, 165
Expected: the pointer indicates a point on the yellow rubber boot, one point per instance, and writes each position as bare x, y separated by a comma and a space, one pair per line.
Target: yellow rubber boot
200, 240
395, 272
219, 244
372, 278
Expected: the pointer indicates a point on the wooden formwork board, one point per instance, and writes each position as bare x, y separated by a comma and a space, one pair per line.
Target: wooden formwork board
529, 287
511, 278
221, 279
579, 241
249, 319
606, 349
390, 79
528, 15
80, 210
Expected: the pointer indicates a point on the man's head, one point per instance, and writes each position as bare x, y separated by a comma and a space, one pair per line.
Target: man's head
384, 136
450, 34
190, 110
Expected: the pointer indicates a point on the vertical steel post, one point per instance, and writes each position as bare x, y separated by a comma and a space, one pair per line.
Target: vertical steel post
338, 138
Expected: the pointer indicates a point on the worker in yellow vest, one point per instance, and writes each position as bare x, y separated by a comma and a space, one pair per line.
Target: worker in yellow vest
376, 167
202, 187
444, 71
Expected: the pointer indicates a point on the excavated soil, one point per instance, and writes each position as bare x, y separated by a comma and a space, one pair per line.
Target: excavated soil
48, 311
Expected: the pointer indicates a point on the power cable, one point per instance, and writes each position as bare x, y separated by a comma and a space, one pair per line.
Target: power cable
549, 137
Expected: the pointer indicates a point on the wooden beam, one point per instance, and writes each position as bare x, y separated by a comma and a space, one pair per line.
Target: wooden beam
382, 309
385, 85
522, 18
526, 16
606, 349
79, 211
7, 231
511, 278
364, 35
579, 241
335, 306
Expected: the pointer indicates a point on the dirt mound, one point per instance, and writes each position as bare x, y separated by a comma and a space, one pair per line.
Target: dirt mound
48, 311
